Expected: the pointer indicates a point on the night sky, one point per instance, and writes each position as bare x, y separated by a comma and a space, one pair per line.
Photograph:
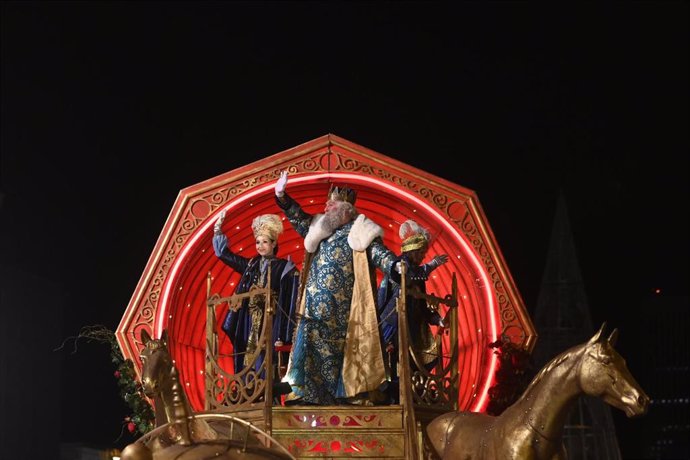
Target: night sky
109, 109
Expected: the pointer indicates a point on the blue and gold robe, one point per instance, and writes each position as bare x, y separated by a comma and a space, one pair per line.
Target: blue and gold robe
337, 350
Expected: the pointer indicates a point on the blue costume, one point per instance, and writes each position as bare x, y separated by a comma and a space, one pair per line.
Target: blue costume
337, 352
244, 326
419, 317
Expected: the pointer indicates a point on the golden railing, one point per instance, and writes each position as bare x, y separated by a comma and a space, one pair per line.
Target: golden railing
423, 394
250, 388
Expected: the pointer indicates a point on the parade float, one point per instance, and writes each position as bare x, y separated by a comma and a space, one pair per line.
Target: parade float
185, 291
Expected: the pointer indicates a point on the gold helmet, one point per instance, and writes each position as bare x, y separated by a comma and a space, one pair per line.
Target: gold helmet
413, 236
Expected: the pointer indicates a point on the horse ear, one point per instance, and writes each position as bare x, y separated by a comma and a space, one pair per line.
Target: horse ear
145, 337
597, 337
613, 337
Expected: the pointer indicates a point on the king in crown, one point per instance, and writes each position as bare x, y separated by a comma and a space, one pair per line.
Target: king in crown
336, 193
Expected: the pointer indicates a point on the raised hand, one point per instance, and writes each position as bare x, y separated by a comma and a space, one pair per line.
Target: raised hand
281, 184
438, 260
441, 259
219, 223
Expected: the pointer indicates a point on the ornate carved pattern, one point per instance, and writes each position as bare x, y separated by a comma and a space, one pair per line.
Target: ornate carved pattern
508, 315
364, 446
248, 386
436, 388
335, 421
430, 390
343, 163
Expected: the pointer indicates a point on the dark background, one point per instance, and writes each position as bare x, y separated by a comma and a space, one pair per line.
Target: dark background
109, 109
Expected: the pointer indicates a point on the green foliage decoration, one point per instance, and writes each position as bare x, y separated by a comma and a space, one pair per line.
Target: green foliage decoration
142, 416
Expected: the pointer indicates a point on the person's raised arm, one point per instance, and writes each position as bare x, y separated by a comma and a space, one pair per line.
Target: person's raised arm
281, 185
219, 223
299, 219
220, 241
436, 262
222, 249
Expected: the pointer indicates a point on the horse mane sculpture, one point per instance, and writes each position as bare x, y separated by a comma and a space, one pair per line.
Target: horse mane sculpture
182, 434
532, 428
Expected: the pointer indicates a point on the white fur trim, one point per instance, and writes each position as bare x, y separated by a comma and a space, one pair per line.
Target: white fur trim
361, 235
363, 232
316, 233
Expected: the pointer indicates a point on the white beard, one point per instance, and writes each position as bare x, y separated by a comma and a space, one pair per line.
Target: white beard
332, 221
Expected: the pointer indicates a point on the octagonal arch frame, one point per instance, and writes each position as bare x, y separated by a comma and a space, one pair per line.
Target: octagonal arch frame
171, 293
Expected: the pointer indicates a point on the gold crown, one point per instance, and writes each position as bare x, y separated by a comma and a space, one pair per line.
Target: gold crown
342, 194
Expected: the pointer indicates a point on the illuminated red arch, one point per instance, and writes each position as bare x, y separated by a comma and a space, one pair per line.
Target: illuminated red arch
172, 291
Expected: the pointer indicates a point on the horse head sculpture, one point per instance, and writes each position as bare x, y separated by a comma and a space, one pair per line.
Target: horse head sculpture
532, 428
161, 383
180, 433
156, 363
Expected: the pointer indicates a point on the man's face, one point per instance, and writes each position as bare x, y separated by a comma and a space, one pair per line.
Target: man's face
330, 205
416, 256
336, 213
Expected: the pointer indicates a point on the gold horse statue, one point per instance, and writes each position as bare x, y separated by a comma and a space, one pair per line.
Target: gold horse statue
180, 433
532, 428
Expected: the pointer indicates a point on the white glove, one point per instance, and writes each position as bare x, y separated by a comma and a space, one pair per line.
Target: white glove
281, 184
219, 223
